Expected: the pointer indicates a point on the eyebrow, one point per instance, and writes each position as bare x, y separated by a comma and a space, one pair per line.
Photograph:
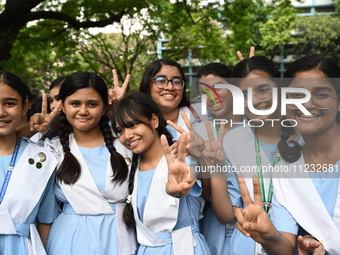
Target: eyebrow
318, 88
164, 76
11, 99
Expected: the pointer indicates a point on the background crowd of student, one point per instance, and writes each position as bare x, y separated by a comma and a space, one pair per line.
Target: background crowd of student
118, 174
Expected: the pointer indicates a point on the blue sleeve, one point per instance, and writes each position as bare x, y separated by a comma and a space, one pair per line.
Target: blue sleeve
48, 210
233, 187
196, 190
282, 219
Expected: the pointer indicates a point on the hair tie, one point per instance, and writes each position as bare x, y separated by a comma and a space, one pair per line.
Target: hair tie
129, 199
111, 148
66, 148
285, 136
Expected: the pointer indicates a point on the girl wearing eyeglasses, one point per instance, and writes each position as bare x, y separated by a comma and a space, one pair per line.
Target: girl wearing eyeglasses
253, 145
164, 81
306, 201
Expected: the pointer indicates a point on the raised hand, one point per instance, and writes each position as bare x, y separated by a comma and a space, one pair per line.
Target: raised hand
117, 93
180, 179
251, 53
195, 143
41, 121
253, 221
213, 152
307, 244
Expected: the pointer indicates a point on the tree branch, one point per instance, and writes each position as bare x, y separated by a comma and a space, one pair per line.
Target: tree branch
73, 22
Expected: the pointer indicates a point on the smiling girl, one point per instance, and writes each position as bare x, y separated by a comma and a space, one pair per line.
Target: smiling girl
92, 177
165, 205
307, 200
26, 177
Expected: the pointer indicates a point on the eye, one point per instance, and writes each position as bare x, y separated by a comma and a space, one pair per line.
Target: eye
296, 95
10, 103
93, 104
160, 80
75, 103
177, 81
321, 95
263, 89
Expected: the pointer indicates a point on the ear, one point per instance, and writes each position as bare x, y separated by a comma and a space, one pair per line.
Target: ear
154, 121
25, 107
105, 109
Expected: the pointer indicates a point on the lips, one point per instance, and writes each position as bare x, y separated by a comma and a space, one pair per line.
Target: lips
134, 143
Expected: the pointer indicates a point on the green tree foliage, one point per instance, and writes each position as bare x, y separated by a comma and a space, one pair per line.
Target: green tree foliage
318, 34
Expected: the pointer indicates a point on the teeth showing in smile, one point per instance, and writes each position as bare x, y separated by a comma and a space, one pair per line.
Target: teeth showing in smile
308, 116
216, 105
4, 122
168, 95
134, 142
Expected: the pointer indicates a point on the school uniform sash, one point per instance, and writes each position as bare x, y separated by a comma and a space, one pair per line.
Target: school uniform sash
86, 199
300, 197
160, 215
29, 178
239, 146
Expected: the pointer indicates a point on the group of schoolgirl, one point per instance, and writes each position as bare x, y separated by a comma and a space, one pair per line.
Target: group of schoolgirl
123, 190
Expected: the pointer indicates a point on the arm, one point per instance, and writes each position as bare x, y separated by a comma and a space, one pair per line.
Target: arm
213, 155
254, 222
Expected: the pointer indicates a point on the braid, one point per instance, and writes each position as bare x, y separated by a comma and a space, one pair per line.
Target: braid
128, 216
69, 170
289, 153
118, 164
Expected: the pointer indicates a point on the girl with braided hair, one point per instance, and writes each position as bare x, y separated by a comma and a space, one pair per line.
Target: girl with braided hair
92, 175
165, 202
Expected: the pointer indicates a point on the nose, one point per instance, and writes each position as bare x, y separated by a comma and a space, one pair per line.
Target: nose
83, 110
310, 104
2, 111
128, 134
53, 104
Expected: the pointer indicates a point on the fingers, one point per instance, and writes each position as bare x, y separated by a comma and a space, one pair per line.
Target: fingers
244, 191
252, 52
181, 151
44, 104
209, 130
186, 120
257, 191
175, 126
222, 132
115, 77
126, 82
166, 149
56, 110
239, 55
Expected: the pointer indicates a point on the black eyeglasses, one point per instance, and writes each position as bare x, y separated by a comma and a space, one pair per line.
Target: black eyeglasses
162, 82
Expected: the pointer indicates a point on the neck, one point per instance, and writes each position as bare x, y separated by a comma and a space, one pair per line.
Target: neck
89, 140
172, 115
324, 143
269, 132
7, 144
152, 156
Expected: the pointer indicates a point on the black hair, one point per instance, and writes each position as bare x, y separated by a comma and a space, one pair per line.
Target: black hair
153, 68
70, 169
329, 67
137, 108
58, 82
17, 84
256, 63
217, 69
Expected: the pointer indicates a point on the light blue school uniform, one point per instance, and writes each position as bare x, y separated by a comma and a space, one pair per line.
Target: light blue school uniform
239, 243
73, 233
46, 210
188, 215
327, 189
